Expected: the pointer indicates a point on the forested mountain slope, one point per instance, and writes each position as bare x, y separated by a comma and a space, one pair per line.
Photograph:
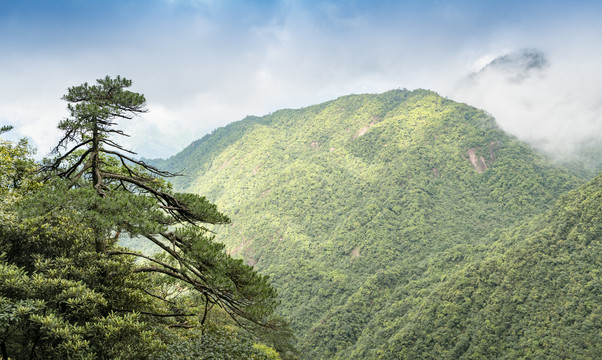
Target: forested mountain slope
358, 208
536, 295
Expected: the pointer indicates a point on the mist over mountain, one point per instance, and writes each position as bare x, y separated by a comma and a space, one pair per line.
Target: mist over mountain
516, 66
546, 99
358, 180
359, 208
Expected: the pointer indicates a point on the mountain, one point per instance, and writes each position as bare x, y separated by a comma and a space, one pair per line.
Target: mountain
359, 209
514, 67
536, 295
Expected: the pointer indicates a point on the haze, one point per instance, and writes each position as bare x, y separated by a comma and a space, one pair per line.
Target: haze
203, 64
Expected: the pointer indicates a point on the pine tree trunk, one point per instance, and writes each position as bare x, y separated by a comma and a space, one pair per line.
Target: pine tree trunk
97, 182
96, 179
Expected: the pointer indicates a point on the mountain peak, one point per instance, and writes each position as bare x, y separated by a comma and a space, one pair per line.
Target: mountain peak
345, 203
516, 66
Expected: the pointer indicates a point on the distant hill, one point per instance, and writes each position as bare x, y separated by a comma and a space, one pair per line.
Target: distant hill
360, 208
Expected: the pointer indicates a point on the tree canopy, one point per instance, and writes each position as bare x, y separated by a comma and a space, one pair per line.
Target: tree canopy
69, 290
127, 196
98, 160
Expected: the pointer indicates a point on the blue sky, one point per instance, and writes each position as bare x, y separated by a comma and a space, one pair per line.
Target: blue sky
205, 63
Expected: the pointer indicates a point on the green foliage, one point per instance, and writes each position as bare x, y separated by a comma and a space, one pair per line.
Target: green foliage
266, 352
5, 128
536, 294
91, 105
62, 300
359, 208
400, 225
116, 194
69, 291
218, 343
16, 167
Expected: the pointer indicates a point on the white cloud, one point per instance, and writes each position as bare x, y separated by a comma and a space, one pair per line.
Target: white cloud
201, 69
558, 107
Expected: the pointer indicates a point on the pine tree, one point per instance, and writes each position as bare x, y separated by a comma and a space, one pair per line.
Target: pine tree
117, 194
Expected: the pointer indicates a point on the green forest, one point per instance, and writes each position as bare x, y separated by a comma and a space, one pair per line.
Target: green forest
68, 290
400, 225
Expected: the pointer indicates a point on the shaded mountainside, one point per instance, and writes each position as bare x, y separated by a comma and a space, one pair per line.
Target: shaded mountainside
536, 295
359, 208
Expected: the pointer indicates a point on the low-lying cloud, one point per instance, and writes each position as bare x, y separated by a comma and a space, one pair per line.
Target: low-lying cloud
552, 101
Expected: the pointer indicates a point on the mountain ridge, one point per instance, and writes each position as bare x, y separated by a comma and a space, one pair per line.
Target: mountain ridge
350, 203
535, 293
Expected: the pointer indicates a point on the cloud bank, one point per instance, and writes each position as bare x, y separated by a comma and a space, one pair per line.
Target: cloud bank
203, 64
555, 104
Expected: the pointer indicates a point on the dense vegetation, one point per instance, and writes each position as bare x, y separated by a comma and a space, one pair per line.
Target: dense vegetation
68, 290
537, 294
362, 209
399, 225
